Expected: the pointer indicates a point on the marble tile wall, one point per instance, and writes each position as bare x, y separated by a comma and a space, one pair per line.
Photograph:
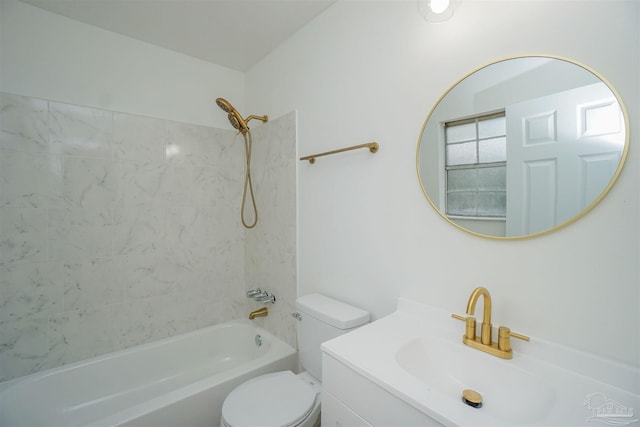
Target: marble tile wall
270, 250
117, 229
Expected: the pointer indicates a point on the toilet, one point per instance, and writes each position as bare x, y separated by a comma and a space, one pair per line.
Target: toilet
285, 399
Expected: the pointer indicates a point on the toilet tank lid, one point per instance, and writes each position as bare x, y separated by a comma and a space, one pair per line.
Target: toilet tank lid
335, 313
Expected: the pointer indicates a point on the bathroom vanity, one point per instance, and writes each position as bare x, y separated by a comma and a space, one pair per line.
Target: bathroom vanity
351, 399
410, 368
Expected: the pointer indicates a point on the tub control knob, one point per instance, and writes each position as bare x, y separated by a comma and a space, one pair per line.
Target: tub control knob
254, 292
265, 298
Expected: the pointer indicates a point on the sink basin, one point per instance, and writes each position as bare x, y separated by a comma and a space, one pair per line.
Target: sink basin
416, 354
509, 393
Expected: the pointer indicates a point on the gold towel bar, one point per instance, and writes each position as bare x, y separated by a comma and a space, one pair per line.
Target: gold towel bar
372, 146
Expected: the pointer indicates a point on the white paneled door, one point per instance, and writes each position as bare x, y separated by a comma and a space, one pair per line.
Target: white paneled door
562, 151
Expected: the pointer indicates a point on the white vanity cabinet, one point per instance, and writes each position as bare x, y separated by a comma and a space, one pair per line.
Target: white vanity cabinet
351, 400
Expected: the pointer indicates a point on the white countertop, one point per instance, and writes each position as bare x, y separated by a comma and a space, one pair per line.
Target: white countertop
562, 379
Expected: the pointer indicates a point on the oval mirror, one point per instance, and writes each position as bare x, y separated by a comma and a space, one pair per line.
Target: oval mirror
522, 146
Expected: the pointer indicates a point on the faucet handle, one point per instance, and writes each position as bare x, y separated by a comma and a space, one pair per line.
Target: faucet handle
519, 336
253, 292
504, 333
266, 298
470, 330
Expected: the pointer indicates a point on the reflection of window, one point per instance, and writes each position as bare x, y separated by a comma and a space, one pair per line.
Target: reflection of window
476, 166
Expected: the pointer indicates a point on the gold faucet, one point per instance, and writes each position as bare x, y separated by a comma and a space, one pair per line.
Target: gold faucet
502, 348
485, 331
261, 312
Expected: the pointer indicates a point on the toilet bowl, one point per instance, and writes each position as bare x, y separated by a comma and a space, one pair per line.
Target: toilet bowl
284, 399
281, 399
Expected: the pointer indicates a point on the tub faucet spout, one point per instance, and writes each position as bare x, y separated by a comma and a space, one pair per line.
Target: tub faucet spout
261, 312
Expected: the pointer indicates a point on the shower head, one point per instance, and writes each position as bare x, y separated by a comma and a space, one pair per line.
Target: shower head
235, 122
234, 117
225, 105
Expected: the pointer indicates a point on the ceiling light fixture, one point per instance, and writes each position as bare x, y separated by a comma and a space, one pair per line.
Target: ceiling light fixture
437, 10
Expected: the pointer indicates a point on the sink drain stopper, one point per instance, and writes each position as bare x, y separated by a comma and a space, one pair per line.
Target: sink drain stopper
472, 398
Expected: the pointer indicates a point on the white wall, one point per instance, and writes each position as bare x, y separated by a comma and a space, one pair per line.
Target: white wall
52, 57
371, 71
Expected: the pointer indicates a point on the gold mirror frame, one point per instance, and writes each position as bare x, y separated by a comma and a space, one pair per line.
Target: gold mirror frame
580, 214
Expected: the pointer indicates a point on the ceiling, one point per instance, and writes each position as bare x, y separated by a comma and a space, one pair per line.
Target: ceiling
233, 33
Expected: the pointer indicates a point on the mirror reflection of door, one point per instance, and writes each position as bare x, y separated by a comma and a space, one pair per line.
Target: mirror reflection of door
562, 151
550, 104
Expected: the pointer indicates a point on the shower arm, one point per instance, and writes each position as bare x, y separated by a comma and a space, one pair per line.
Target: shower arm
263, 119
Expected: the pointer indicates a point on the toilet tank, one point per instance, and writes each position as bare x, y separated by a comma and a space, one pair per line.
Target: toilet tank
321, 319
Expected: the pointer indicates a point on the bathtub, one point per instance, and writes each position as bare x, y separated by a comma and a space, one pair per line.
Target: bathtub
179, 381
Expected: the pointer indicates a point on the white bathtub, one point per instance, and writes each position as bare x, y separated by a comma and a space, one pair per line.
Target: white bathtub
179, 381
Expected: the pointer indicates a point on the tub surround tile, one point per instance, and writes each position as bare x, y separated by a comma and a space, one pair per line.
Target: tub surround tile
159, 272
232, 308
30, 289
23, 124
81, 334
141, 183
92, 283
223, 222
231, 159
75, 233
221, 310
91, 184
30, 180
138, 230
80, 131
23, 235
176, 185
187, 239
271, 246
195, 145
184, 184
118, 229
148, 274
280, 321
227, 260
149, 319
24, 346
137, 321
185, 225
229, 294
197, 289
193, 311
139, 138
207, 190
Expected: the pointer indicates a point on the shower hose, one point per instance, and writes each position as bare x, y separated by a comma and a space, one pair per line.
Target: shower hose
247, 183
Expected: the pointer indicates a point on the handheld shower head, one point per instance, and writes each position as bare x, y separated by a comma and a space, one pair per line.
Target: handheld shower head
225, 105
240, 124
234, 122
234, 117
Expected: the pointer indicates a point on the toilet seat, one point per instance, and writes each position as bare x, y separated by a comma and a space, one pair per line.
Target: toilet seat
279, 399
